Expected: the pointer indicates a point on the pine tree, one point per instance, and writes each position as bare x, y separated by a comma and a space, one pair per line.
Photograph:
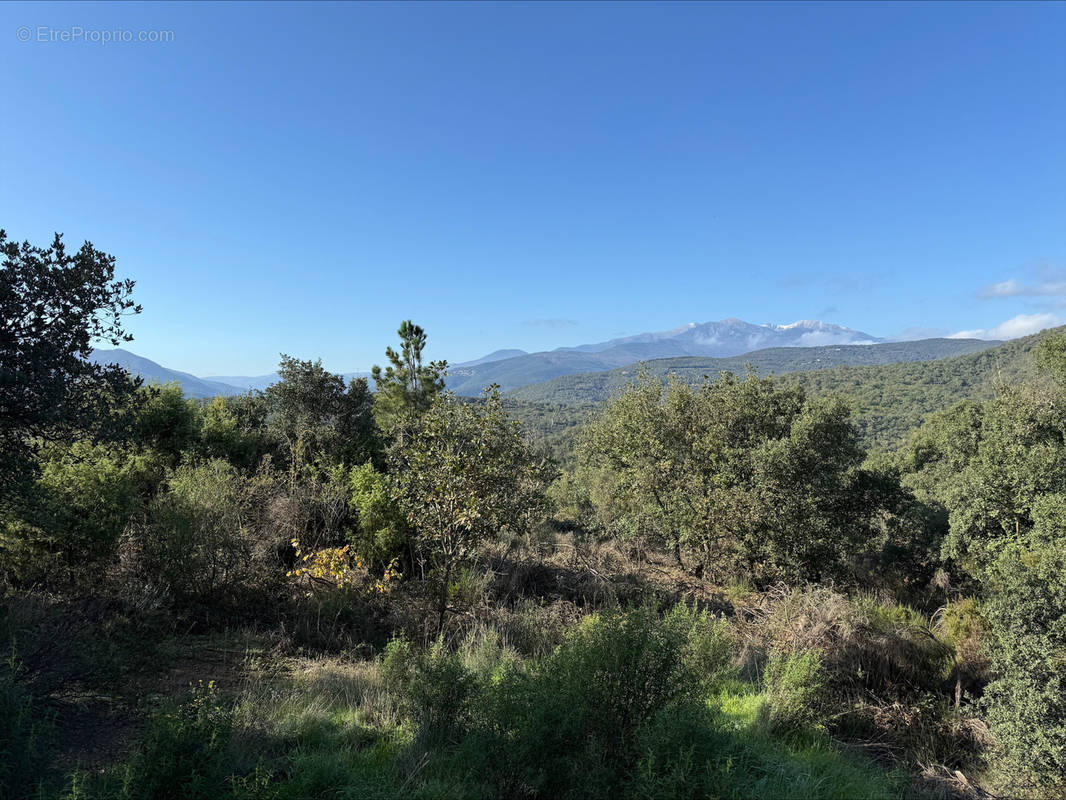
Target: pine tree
406, 387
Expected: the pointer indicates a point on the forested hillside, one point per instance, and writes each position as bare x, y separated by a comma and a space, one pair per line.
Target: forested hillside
888, 399
587, 375
337, 589
595, 387
892, 399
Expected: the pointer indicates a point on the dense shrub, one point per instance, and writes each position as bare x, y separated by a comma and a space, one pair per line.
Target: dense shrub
22, 755
67, 529
199, 538
679, 748
382, 533
794, 689
182, 755
737, 476
1026, 702
569, 725
439, 693
234, 429
167, 421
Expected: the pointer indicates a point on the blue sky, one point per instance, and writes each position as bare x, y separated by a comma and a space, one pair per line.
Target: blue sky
300, 178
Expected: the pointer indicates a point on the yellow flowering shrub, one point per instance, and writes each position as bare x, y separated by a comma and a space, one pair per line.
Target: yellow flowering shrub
335, 567
389, 578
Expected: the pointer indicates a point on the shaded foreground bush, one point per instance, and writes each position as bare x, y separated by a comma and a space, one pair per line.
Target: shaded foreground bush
22, 757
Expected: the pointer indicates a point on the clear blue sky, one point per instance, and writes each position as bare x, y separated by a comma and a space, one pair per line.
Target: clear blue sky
301, 178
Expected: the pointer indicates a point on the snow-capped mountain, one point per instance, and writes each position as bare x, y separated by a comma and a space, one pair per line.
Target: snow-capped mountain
730, 337
727, 337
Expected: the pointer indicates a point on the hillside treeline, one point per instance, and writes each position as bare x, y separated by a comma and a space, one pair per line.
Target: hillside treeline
888, 400
377, 589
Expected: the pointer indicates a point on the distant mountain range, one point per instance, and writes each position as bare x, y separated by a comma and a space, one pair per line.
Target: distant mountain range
512, 369
595, 387
152, 372
193, 386
728, 337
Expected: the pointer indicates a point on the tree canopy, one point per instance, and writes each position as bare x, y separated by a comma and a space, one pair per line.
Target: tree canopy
465, 473
54, 305
735, 473
407, 385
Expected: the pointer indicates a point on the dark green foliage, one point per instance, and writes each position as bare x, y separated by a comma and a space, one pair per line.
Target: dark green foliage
590, 388
737, 475
167, 422
235, 429
680, 749
199, 539
182, 518
406, 386
23, 756
1050, 356
464, 473
888, 399
1026, 610
70, 523
570, 727
53, 306
383, 533
440, 693
318, 417
182, 756
996, 471
891, 400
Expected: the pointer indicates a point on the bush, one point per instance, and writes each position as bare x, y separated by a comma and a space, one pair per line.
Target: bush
234, 429
397, 665
439, 693
794, 686
199, 538
167, 421
708, 643
22, 757
68, 530
678, 750
383, 533
183, 754
569, 725
1026, 703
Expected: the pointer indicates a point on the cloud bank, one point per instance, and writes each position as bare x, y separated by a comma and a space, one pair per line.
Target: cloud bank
1021, 325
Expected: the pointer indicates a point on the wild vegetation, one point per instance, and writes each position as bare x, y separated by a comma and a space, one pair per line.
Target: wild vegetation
328, 589
888, 398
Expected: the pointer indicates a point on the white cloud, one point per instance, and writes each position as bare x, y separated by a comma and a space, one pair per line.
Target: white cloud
826, 338
1011, 288
1021, 325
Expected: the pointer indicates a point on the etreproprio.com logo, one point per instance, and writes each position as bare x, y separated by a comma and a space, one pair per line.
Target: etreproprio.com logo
77, 34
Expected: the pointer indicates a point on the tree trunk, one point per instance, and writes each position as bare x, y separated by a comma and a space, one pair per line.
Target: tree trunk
442, 599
